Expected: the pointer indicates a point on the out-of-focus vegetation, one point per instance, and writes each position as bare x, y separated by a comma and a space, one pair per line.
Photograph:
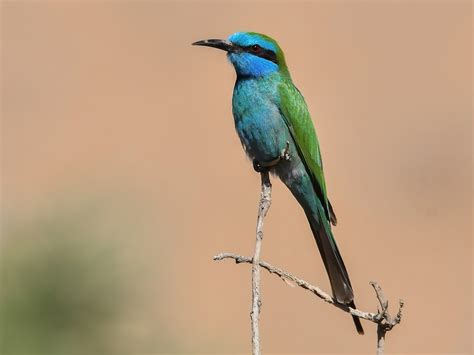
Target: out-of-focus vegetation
61, 287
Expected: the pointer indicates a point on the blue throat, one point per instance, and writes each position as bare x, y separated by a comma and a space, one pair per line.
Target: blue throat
249, 65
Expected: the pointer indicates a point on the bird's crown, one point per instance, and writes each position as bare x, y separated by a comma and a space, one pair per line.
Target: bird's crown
259, 45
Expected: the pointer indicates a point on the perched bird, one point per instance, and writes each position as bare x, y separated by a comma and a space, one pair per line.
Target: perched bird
271, 118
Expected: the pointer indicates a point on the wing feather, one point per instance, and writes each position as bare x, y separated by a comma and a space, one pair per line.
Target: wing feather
295, 113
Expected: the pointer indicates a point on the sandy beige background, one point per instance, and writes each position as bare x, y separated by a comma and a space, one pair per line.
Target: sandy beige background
106, 107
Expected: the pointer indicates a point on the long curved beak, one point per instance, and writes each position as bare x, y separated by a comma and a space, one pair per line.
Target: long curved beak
216, 43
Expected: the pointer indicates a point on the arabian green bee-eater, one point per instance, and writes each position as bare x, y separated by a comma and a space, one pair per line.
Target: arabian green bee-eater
270, 117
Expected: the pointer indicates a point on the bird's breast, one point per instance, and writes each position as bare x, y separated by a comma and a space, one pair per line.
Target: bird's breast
258, 120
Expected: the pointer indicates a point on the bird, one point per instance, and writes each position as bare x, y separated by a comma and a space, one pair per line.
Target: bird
277, 133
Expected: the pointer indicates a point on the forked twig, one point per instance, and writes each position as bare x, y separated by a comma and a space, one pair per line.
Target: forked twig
382, 318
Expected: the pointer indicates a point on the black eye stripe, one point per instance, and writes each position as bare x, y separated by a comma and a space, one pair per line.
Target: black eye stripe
261, 52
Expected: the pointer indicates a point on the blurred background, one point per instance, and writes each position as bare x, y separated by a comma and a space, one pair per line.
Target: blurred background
122, 176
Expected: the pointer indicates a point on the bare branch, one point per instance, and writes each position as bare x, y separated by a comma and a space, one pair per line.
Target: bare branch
265, 202
382, 318
384, 322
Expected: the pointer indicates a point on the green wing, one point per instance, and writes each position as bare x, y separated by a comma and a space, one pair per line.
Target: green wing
297, 118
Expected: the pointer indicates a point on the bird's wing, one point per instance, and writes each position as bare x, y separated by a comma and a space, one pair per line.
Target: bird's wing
295, 113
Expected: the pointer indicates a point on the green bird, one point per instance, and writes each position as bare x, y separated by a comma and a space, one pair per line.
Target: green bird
271, 117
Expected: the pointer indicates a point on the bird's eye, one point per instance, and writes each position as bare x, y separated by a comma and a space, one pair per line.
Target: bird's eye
255, 47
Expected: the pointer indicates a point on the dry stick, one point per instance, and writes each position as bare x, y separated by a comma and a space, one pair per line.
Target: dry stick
382, 318
385, 322
265, 202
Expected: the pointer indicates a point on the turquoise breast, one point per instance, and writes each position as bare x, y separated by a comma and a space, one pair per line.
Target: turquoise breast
258, 120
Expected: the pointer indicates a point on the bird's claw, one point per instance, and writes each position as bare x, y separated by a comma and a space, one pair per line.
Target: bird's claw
264, 166
258, 167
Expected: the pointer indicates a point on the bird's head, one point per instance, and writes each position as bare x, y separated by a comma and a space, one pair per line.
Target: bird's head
252, 54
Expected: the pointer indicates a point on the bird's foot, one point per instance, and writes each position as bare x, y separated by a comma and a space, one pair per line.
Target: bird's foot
259, 166
264, 166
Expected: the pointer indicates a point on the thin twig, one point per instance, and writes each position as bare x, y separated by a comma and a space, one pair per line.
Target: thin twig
265, 202
382, 318
384, 322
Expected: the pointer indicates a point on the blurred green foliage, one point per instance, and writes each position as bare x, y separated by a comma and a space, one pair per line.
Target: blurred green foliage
61, 287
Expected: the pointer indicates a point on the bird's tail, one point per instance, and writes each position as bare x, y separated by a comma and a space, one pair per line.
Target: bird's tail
356, 320
336, 270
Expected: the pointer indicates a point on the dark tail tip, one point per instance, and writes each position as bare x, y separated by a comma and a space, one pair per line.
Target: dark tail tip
358, 325
356, 320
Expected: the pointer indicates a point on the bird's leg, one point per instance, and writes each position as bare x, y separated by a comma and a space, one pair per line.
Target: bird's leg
263, 166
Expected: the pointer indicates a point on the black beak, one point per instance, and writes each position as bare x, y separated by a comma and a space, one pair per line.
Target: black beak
216, 43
